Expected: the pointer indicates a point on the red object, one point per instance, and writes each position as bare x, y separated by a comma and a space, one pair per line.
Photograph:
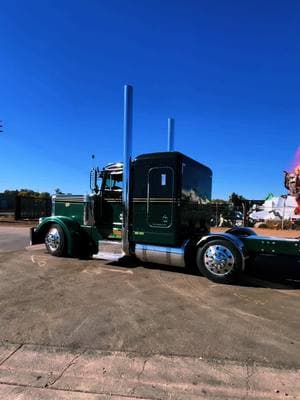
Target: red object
297, 209
296, 161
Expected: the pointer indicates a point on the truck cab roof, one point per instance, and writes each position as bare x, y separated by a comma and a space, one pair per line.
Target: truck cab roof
171, 154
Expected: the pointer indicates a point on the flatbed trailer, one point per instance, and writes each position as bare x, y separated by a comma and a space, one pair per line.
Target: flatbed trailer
270, 245
156, 208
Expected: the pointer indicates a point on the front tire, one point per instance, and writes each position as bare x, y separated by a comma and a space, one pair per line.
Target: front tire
220, 261
55, 241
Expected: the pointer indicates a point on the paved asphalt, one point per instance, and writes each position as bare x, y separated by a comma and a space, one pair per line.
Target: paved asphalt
87, 329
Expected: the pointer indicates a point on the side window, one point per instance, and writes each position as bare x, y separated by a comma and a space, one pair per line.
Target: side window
160, 182
160, 197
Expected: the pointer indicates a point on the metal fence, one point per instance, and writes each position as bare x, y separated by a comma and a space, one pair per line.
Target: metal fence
228, 215
7, 204
32, 208
19, 207
224, 214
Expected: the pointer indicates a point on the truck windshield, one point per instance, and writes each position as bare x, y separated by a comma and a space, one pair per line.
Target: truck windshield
114, 182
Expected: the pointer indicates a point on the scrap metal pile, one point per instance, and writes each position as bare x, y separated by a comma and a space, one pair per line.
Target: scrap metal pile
285, 207
292, 183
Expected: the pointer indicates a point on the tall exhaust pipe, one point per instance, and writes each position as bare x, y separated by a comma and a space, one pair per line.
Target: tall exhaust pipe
171, 134
127, 151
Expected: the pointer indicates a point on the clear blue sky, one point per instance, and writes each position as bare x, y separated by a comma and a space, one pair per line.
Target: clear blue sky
227, 71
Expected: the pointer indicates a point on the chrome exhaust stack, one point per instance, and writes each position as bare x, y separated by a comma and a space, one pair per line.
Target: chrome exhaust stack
127, 154
171, 123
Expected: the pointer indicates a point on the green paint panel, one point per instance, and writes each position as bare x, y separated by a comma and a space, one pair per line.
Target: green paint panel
160, 215
70, 209
271, 245
144, 232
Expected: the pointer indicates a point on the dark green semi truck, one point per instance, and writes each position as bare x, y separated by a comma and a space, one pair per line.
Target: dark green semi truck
156, 208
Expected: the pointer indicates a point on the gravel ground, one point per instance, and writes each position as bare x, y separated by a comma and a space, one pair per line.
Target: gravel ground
88, 329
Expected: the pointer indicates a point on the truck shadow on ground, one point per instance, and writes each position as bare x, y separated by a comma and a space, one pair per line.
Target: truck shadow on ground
274, 272
279, 272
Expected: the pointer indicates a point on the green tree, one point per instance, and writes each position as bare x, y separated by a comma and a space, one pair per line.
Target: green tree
236, 199
219, 201
11, 192
44, 195
24, 192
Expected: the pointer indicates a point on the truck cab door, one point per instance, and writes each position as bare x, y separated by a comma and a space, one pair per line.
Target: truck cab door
111, 218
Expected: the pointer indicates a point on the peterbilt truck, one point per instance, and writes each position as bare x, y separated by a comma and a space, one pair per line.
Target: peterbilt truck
156, 208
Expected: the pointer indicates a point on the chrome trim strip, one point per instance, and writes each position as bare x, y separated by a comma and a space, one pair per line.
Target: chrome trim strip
53, 205
155, 200
163, 249
71, 201
69, 197
269, 239
152, 198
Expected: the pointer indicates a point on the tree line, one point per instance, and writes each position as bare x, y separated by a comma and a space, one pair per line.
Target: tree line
32, 193
26, 193
235, 199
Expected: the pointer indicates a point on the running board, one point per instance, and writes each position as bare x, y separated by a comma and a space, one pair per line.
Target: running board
109, 250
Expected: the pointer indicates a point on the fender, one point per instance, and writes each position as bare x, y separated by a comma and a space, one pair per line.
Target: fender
70, 227
235, 240
241, 231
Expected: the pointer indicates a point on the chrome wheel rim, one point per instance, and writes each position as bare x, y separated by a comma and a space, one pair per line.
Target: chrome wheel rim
218, 260
53, 239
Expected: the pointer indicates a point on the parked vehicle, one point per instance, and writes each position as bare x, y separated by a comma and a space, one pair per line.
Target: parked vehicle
227, 219
156, 208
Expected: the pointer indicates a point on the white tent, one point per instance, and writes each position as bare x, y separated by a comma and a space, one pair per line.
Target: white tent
276, 208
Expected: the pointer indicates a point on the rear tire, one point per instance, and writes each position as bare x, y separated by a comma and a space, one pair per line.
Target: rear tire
220, 261
55, 241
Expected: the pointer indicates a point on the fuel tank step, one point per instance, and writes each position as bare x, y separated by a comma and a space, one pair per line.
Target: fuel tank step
109, 250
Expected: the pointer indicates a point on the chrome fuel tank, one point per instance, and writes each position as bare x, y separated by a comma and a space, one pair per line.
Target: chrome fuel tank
160, 254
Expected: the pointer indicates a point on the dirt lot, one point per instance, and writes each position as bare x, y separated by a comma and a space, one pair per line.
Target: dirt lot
87, 329
13, 237
268, 232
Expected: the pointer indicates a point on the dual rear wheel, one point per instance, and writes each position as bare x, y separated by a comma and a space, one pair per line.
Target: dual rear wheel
220, 261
